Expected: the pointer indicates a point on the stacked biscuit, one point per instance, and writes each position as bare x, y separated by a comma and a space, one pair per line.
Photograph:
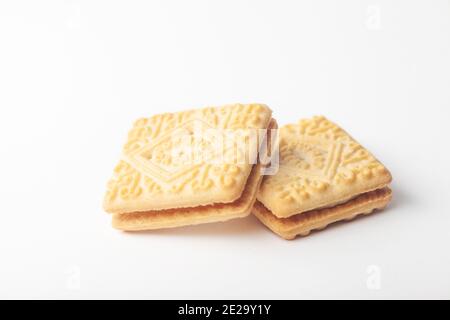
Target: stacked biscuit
207, 165
172, 172
324, 176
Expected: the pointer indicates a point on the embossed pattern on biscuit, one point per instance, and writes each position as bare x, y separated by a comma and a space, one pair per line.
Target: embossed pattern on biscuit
158, 172
320, 165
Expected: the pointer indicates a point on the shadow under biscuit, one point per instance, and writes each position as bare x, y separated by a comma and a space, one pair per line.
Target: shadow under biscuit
242, 226
401, 197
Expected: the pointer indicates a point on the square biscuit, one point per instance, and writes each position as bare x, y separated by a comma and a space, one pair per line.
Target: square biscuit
177, 217
303, 224
320, 166
153, 174
159, 219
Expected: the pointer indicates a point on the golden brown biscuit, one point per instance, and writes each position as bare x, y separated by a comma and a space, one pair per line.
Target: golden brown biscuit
191, 216
302, 224
152, 174
201, 184
324, 176
320, 166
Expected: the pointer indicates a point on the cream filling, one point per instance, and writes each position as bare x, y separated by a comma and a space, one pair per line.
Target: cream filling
345, 200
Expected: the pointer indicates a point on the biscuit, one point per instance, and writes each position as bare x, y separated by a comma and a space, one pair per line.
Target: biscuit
171, 218
158, 219
320, 166
303, 224
152, 174
324, 176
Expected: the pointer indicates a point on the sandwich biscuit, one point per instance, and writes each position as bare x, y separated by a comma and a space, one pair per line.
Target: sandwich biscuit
324, 176
187, 168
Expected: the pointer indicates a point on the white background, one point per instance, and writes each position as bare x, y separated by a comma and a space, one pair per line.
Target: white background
74, 75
